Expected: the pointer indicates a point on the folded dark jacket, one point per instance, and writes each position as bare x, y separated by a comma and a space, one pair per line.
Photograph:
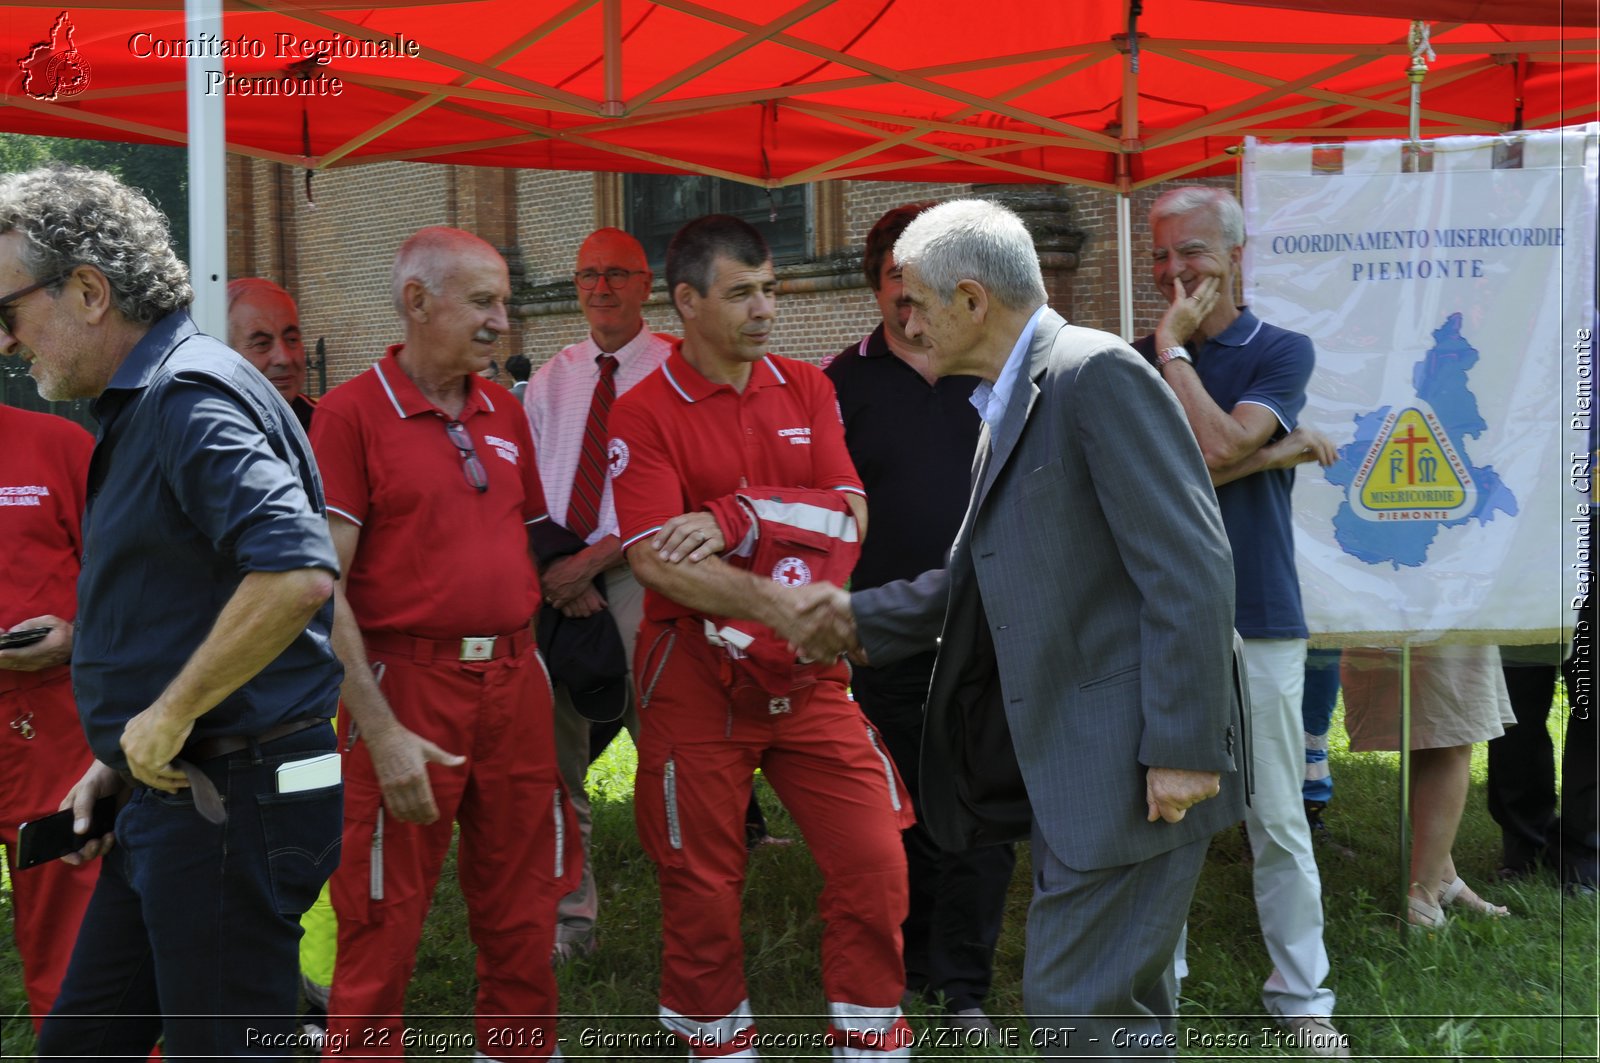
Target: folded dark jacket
585, 654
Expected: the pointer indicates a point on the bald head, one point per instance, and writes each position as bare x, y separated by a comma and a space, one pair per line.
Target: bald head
613, 280
452, 290
431, 253
616, 246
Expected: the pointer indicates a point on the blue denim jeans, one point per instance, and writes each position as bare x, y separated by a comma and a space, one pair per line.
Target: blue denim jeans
1316, 712
193, 931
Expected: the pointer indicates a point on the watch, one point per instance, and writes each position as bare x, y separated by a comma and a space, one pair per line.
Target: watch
1170, 353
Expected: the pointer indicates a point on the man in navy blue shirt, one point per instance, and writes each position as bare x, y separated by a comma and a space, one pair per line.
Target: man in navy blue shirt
912, 436
202, 662
1242, 384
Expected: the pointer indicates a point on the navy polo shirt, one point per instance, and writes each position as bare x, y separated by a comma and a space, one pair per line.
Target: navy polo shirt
200, 475
1254, 362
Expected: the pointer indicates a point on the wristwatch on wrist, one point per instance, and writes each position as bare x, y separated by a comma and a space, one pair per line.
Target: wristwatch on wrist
1170, 353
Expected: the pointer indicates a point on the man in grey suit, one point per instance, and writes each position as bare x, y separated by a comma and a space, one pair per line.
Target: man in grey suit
1084, 619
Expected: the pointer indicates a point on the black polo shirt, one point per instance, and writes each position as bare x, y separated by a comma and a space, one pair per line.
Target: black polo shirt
913, 445
304, 406
200, 476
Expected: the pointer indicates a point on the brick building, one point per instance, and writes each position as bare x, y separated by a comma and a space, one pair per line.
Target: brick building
333, 248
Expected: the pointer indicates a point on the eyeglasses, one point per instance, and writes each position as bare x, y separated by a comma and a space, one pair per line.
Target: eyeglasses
471, 467
15, 297
615, 278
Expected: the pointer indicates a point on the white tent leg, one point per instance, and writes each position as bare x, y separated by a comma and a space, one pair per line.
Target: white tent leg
208, 191
1404, 825
1125, 265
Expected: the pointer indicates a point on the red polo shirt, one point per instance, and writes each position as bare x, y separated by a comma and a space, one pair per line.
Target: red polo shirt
678, 441
437, 558
44, 472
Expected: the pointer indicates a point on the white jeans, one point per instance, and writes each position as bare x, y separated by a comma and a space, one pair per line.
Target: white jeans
1287, 886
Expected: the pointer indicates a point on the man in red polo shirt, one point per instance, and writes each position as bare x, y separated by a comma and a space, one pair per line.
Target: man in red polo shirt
44, 471
719, 416
431, 484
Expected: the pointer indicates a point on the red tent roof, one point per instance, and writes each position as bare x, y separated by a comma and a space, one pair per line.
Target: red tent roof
791, 91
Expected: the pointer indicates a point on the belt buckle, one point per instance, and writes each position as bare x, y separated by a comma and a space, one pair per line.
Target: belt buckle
478, 649
778, 706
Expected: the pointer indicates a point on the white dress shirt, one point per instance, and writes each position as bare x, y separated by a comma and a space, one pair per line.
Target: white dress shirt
557, 402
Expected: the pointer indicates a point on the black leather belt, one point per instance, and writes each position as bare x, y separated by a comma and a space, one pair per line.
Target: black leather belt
205, 749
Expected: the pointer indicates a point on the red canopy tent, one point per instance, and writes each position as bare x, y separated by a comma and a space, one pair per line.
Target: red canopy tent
805, 90
1111, 95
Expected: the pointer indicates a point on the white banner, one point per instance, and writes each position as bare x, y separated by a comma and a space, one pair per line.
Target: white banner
1452, 310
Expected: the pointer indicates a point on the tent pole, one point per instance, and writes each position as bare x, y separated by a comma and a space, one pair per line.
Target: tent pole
1405, 791
1421, 54
1128, 120
1125, 265
612, 106
208, 193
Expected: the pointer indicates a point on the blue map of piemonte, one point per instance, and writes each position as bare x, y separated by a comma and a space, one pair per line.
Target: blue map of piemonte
1407, 474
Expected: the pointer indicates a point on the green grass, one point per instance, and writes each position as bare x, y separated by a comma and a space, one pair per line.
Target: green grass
1517, 989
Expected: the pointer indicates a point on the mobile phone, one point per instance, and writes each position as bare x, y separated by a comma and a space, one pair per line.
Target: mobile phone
312, 773
41, 840
26, 637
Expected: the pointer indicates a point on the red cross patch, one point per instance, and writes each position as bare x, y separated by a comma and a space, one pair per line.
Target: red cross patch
791, 572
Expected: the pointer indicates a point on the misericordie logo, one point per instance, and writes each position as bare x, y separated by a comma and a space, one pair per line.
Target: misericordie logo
54, 69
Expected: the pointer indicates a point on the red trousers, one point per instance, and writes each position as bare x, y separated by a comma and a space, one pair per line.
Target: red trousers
519, 853
702, 734
43, 752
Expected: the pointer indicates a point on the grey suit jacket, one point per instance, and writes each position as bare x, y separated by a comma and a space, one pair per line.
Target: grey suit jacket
1084, 619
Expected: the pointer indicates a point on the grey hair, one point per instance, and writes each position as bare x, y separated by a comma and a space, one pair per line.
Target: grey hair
426, 257
240, 287
70, 216
1189, 199
973, 239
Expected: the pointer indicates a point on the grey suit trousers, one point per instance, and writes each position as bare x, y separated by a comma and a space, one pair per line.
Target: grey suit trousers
1097, 981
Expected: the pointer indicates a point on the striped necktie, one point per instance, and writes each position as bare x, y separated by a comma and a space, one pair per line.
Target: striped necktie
583, 512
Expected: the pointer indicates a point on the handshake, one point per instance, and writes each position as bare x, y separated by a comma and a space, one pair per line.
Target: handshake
817, 623
814, 619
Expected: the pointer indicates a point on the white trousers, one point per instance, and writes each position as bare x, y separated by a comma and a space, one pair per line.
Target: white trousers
1288, 887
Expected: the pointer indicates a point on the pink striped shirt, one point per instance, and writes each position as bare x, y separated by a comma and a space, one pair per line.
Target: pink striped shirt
557, 401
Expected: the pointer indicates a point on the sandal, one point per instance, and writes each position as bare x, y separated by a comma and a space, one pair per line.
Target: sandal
1458, 894
1420, 913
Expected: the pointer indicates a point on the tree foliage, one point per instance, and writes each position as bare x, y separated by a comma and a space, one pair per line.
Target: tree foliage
160, 172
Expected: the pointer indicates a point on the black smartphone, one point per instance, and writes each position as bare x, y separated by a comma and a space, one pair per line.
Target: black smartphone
41, 840
26, 637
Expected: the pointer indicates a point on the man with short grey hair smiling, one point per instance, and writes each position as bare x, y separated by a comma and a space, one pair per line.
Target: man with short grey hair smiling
432, 487
1242, 385
1083, 690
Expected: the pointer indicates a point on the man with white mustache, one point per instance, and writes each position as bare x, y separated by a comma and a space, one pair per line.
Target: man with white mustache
447, 701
